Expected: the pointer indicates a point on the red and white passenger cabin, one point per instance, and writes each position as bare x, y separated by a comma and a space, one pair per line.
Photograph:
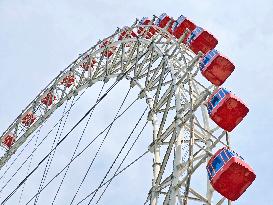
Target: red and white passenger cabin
229, 174
28, 119
68, 80
201, 40
88, 63
215, 67
126, 32
8, 140
180, 26
48, 99
226, 109
165, 21
109, 50
145, 28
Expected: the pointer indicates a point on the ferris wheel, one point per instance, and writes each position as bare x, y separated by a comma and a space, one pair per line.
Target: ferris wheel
174, 70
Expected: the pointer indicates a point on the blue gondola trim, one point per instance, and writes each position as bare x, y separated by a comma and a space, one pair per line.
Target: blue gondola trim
220, 160
216, 99
208, 58
194, 34
142, 20
160, 18
178, 22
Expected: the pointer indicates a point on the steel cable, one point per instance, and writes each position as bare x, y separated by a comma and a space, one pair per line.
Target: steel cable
17, 156
116, 158
66, 136
86, 114
133, 162
51, 156
98, 150
58, 123
83, 150
122, 161
30, 156
29, 165
77, 146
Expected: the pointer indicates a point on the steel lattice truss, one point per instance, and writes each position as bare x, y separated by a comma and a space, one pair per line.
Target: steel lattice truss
165, 71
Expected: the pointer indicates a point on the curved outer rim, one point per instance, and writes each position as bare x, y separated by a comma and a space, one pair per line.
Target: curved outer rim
95, 50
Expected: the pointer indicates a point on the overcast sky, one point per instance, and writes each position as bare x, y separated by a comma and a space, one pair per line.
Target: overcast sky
39, 38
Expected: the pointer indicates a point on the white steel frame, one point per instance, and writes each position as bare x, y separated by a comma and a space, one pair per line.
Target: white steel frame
191, 138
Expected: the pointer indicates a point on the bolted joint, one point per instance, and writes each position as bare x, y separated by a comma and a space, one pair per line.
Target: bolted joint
106, 79
177, 119
90, 83
128, 77
120, 76
132, 83
151, 148
75, 92
142, 94
150, 115
156, 164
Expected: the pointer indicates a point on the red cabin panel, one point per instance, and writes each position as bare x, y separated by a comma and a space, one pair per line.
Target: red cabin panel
8, 140
204, 42
180, 29
233, 178
28, 119
48, 99
218, 70
68, 80
165, 20
109, 51
229, 112
147, 32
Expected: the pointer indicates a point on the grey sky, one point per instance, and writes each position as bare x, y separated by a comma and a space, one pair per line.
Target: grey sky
38, 39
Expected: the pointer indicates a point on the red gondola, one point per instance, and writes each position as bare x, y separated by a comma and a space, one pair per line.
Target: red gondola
28, 119
180, 25
8, 140
68, 80
216, 68
229, 174
201, 40
226, 110
165, 20
127, 33
88, 63
108, 52
48, 99
147, 32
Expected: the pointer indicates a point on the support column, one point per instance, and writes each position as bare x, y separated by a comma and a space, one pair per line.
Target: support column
228, 144
205, 116
178, 148
156, 151
191, 142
